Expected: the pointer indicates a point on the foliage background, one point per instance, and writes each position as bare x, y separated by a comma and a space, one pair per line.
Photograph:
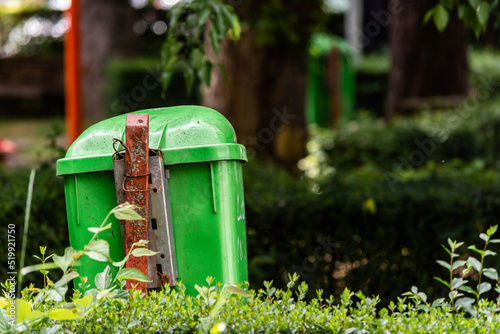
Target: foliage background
371, 238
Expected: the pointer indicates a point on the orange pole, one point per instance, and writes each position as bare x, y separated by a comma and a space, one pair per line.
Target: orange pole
72, 72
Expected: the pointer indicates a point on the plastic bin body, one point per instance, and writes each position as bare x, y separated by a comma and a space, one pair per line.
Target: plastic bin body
205, 184
331, 89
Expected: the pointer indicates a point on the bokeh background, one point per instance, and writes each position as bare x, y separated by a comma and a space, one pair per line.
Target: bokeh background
372, 136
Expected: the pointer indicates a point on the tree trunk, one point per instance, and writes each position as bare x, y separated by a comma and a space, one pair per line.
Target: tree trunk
425, 62
106, 31
263, 99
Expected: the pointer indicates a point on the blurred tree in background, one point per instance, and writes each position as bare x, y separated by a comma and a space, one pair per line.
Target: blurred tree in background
267, 71
259, 83
426, 63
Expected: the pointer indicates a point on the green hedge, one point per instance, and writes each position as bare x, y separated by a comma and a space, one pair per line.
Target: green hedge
354, 232
268, 310
378, 211
359, 220
469, 132
48, 212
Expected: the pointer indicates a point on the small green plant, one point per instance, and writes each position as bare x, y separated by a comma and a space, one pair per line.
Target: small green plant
228, 308
457, 285
49, 301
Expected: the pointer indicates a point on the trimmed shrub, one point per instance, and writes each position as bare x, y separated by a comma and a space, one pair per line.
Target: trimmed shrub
48, 225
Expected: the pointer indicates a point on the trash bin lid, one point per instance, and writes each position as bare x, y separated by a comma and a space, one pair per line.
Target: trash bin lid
184, 134
322, 44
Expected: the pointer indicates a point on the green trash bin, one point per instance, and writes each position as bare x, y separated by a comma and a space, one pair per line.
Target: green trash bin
204, 198
330, 90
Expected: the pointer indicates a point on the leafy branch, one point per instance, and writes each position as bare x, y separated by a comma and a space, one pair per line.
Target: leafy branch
474, 13
191, 22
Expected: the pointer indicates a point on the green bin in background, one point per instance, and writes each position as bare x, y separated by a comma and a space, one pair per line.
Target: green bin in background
203, 162
331, 88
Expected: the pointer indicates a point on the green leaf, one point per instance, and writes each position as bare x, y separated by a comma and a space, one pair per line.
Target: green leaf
121, 263
444, 264
484, 236
237, 291
488, 253
442, 281
190, 21
474, 3
214, 40
446, 249
218, 305
174, 15
4, 322
68, 306
491, 273
224, 74
205, 72
202, 291
219, 25
468, 289
97, 229
462, 10
483, 287
64, 261
483, 13
98, 250
196, 58
231, 20
188, 78
104, 279
133, 274
477, 30
85, 301
480, 251
105, 293
464, 302
37, 267
58, 291
23, 311
126, 211
429, 14
203, 17
457, 283
63, 314
138, 252
441, 17
454, 294
43, 249
70, 276
474, 263
437, 302
458, 263
422, 296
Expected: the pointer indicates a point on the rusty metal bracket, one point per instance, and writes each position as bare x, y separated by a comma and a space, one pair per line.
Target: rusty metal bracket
161, 268
137, 168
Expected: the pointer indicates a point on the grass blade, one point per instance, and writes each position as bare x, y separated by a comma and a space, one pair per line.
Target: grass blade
26, 226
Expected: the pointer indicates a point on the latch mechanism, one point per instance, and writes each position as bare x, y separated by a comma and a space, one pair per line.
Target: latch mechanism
140, 179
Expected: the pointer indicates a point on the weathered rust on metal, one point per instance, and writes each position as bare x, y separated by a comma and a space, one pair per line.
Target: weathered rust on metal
136, 186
